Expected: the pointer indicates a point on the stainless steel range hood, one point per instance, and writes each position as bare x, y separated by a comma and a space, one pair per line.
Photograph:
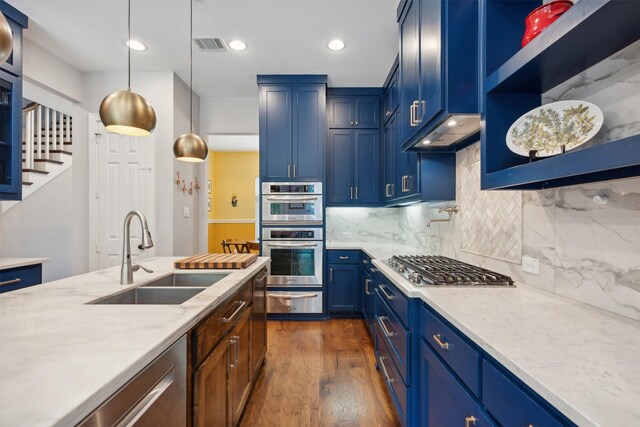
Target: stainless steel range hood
452, 130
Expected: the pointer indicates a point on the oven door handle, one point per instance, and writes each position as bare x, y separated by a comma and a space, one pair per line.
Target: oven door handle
287, 296
291, 199
293, 245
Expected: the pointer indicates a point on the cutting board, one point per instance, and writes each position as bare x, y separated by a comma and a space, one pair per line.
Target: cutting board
217, 261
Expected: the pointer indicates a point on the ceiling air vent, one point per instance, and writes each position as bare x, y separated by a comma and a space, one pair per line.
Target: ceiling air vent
210, 44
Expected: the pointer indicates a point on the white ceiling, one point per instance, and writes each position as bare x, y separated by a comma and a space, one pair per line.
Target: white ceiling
283, 37
233, 142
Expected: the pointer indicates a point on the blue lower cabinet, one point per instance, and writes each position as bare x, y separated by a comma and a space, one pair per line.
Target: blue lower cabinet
396, 337
344, 292
443, 400
20, 277
398, 391
368, 302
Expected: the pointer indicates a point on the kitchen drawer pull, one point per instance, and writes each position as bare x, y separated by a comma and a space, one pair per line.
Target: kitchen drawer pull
365, 261
236, 352
386, 294
443, 344
287, 296
149, 399
374, 270
331, 275
289, 199
344, 257
235, 313
11, 282
384, 370
295, 172
288, 171
262, 277
356, 193
470, 421
366, 286
351, 193
232, 342
388, 333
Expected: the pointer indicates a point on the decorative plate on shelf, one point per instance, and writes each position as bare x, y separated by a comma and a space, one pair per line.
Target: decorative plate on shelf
548, 128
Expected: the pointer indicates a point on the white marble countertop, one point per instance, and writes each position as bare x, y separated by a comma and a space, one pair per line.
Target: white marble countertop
583, 360
6, 263
61, 358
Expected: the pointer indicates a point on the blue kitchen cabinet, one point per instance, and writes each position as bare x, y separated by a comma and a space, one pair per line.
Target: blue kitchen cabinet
439, 74
344, 295
348, 112
353, 167
12, 279
11, 110
292, 127
390, 152
367, 276
390, 100
407, 174
443, 401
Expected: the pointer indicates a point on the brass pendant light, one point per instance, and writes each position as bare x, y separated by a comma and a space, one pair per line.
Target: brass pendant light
190, 147
6, 39
125, 111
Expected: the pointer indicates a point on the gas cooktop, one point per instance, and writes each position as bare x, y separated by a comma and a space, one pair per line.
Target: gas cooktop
423, 270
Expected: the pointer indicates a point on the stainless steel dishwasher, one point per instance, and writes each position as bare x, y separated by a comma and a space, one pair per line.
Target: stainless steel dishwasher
157, 396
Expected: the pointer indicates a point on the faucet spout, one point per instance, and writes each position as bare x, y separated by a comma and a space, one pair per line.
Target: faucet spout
126, 271
450, 210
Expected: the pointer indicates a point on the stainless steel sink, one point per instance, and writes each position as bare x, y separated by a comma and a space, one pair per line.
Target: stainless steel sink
150, 295
201, 280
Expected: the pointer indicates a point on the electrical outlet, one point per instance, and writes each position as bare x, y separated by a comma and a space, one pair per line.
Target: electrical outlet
346, 234
531, 265
185, 212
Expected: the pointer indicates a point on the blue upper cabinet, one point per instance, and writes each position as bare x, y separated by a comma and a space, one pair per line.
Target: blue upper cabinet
390, 103
367, 167
439, 74
348, 112
292, 127
390, 150
11, 110
340, 167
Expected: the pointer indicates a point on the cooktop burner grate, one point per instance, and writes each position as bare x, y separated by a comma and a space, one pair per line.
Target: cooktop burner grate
443, 271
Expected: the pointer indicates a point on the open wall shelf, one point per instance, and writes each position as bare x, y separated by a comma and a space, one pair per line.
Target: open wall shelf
516, 78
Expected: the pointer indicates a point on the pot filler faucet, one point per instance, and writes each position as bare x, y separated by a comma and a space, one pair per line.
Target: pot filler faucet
126, 272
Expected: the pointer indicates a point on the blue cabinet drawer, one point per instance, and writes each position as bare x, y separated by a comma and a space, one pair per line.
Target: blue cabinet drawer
397, 389
463, 359
343, 257
395, 335
367, 264
20, 277
443, 400
398, 302
509, 404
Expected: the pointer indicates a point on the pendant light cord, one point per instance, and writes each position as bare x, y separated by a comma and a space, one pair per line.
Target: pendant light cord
129, 47
191, 66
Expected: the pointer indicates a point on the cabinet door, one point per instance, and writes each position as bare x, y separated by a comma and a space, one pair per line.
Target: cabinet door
431, 72
391, 97
241, 371
443, 400
341, 112
210, 384
308, 132
408, 175
343, 288
390, 154
367, 167
259, 322
276, 132
10, 137
409, 69
368, 299
340, 166
367, 112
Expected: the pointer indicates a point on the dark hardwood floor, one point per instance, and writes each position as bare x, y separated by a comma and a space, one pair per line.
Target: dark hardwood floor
319, 374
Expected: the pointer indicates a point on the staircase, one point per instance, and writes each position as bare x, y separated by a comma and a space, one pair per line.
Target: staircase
46, 148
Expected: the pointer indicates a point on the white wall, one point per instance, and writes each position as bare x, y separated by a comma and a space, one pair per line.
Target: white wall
229, 115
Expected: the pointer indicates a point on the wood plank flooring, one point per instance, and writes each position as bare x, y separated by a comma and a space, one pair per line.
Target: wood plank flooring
319, 374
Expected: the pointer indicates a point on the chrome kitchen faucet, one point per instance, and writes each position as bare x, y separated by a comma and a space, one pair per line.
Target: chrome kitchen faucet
126, 272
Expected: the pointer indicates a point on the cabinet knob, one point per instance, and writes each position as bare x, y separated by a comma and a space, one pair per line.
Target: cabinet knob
388, 114
351, 122
470, 421
356, 123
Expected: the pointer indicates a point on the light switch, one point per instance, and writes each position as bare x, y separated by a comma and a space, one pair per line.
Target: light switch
185, 212
530, 265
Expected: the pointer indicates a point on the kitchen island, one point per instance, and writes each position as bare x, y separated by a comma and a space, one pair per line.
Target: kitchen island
582, 360
61, 357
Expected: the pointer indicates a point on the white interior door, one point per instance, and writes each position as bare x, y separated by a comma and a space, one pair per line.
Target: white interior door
123, 180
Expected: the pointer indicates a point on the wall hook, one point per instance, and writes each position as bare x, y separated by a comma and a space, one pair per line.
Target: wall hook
191, 188
197, 184
178, 180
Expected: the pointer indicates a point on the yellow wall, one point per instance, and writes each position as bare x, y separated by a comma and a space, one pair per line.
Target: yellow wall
232, 173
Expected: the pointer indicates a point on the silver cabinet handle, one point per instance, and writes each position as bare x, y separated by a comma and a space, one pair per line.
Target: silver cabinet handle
365, 261
356, 193
292, 245
411, 123
11, 282
386, 294
262, 277
288, 171
288, 199
388, 333
288, 296
384, 370
235, 313
386, 190
295, 173
331, 274
344, 257
388, 114
356, 123
351, 122
366, 286
441, 343
409, 182
236, 345
470, 421
351, 193
374, 270
232, 343
147, 401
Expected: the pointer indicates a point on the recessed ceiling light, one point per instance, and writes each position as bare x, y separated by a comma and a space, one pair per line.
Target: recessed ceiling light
452, 123
136, 45
336, 44
426, 141
237, 45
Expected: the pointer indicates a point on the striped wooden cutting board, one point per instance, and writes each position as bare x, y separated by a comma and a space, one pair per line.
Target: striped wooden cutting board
216, 261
